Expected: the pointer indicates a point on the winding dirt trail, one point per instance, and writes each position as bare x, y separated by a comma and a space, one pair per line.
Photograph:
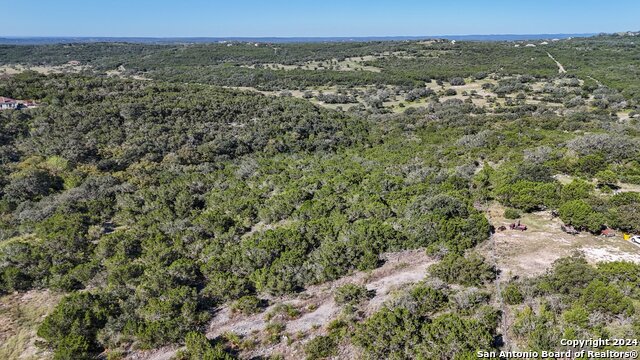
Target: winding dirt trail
596, 80
561, 69
400, 269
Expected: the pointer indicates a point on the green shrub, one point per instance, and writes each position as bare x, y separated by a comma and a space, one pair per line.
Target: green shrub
389, 334
456, 81
321, 347
338, 328
589, 165
198, 347
568, 276
471, 270
72, 327
576, 189
13, 279
620, 272
286, 311
248, 305
169, 316
480, 75
352, 294
72, 347
511, 214
428, 300
32, 184
577, 316
606, 298
223, 286
451, 336
528, 195
274, 331
444, 220
537, 329
626, 218
512, 294
607, 178
581, 215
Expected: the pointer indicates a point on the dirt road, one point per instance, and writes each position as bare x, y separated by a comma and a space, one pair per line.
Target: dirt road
561, 69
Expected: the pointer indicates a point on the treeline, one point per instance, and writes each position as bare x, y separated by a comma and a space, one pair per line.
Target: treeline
446, 61
192, 123
270, 80
108, 56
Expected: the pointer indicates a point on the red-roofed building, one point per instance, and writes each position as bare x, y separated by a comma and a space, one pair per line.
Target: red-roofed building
7, 103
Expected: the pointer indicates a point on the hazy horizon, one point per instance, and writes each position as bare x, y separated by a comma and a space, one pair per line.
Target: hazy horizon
331, 18
300, 37
41, 40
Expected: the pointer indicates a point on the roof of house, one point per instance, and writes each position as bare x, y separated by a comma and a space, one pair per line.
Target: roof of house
6, 100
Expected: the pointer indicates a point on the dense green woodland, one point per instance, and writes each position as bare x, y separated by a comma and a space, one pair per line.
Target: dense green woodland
153, 203
611, 60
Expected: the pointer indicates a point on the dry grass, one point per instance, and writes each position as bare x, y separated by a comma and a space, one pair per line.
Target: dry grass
348, 64
623, 187
46, 70
531, 252
20, 316
480, 98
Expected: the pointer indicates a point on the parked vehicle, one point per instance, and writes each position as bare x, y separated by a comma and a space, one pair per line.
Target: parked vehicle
608, 232
518, 226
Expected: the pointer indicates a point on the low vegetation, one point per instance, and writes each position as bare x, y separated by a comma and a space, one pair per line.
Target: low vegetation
150, 205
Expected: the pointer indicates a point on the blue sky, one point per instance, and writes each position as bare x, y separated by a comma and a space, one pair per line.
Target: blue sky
215, 18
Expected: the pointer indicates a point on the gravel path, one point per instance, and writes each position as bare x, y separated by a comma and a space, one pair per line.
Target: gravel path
561, 69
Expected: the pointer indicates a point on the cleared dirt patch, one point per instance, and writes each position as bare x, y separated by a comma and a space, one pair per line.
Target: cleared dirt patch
164, 353
531, 252
46, 70
610, 253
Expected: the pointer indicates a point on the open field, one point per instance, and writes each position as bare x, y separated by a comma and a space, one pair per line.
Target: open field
13, 69
530, 253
